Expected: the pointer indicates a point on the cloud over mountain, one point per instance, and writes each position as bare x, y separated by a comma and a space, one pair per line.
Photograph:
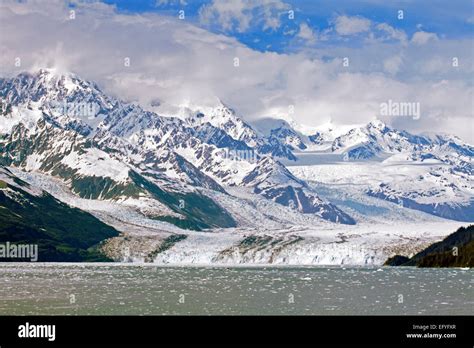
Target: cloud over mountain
175, 61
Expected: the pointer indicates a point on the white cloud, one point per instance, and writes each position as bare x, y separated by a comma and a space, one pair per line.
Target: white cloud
422, 37
239, 15
176, 62
392, 65
351, 25
393, 33
306, 33
171, 2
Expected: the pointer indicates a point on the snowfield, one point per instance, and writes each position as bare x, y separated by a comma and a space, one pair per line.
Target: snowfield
427, 182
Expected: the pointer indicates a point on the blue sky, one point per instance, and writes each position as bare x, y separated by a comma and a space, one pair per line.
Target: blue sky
448, 19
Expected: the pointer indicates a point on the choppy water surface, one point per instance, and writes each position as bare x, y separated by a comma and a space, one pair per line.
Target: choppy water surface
118, 289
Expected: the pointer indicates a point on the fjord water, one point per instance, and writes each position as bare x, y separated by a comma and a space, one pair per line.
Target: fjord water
120, 289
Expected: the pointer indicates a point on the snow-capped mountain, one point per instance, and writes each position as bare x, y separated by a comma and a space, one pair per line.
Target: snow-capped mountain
430, 173
273, 181
444, 189
123, 138
376, 139
282, 131
93, 173
207, 168
427, 172
223, 118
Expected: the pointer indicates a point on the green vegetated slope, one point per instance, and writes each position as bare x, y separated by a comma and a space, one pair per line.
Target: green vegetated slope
456, 250
63, 233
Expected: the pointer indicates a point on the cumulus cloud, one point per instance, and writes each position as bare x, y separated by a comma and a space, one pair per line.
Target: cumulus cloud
238, 15
346, 25
306, 33
175, 62
171, 2
422, 37
392, 33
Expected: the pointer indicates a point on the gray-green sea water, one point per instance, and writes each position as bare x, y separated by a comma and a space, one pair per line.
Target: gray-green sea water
130, 289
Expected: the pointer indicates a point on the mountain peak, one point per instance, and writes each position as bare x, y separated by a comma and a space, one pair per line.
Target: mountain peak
377, 124
48, 74
51, 79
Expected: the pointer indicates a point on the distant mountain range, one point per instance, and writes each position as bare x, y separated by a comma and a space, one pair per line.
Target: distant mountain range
179, 170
